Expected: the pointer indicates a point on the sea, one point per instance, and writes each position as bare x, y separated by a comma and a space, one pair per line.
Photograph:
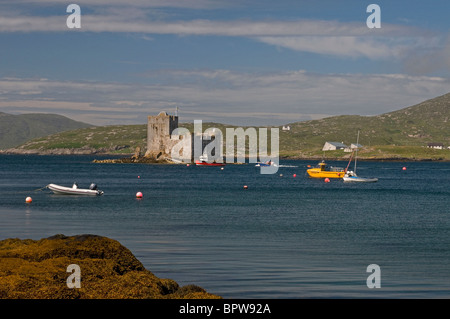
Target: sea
285, 236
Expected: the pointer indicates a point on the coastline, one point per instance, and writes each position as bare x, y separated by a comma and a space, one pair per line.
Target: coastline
125, 158
368, 159
62, 151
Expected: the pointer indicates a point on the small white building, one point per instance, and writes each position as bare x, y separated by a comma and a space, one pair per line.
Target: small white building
333, 146
437, 146
353, 147
286, 128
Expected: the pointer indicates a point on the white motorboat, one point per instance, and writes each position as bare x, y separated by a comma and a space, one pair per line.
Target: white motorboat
74, 190
268, 163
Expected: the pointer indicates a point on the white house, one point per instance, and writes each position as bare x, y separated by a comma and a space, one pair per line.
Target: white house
286, 128
438, 146
332, 146
353, 147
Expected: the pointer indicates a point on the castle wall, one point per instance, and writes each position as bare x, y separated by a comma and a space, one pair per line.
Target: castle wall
159, 129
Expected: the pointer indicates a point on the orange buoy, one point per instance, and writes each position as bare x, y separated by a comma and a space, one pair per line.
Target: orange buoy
245, 187
327, 180
139, 195
28, 199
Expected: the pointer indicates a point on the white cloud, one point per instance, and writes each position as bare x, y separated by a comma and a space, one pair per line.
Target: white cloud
127, 20
345, 46
194, 4
343, 39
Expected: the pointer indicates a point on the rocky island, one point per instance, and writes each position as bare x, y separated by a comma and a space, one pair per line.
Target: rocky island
38, 269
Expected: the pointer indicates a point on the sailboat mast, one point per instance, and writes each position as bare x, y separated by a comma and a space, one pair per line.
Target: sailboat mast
356, 154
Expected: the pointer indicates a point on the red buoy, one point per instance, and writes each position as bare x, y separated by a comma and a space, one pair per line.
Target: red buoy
404, 168
139, 195
295, 175
28, 199
327, 180
245, 187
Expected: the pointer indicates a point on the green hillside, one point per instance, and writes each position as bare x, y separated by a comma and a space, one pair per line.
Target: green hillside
17, 129
99, 139
400, 134
412, 126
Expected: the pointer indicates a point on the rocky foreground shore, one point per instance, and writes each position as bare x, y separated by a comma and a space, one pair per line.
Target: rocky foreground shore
41, 269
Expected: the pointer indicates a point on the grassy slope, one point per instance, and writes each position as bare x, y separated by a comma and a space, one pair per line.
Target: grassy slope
116, 138
411, 127
16, 129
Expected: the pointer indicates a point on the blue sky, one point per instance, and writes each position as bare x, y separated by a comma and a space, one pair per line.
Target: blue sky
243, 62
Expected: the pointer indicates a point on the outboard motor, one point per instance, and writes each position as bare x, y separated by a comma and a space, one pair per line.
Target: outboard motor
93, 187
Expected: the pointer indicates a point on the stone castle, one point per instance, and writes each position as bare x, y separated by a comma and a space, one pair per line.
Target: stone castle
159, 130
160, 140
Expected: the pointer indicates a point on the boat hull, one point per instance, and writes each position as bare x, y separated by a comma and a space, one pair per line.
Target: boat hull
62, 190
356, 179
203, 163
317, 173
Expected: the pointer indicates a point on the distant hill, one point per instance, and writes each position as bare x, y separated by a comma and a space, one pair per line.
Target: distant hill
92, 140
17, 129
399, 134
416, 125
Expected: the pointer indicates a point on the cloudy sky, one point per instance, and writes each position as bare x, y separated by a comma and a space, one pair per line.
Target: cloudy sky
242, 62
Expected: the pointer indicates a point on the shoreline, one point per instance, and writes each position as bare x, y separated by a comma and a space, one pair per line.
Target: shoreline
127, 158
369, 159
133, 158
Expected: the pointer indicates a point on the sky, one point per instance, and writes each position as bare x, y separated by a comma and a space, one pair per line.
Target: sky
246, 63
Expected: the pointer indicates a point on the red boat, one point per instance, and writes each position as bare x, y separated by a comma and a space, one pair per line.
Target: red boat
203, 163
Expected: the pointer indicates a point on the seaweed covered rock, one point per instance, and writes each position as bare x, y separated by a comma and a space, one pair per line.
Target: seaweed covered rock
38, 269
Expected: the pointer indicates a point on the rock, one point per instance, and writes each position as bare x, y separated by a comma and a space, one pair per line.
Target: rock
37, 269
137, 153
133, 159
128, 160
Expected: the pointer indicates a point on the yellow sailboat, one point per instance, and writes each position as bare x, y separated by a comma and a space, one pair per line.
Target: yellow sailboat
322, 170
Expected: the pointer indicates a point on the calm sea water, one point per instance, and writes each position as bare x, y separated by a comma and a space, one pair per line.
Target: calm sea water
283, 237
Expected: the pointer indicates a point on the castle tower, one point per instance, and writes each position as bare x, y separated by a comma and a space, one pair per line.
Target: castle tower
159, 129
